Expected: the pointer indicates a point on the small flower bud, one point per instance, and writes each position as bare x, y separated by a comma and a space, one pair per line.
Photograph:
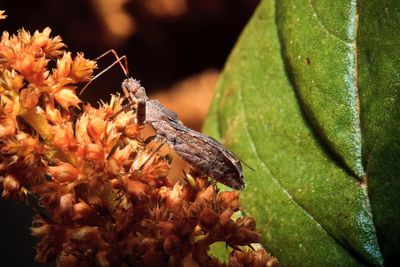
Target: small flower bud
166, 227
82, 211
27, 144
53, 114
206, 194
119, 159
229, 199
173, 198
247, 222
225, 217
172, 244
66, 204
17, 81
245, 236
208, 218
7, 127
102, 259
66, 98
64, 66
92, 152
138, 190
64, 172
29, 97
82, 69
113, 166
10, 186
96, 127
62, 136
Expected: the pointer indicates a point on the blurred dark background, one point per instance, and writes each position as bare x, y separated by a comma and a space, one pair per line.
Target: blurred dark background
176, 48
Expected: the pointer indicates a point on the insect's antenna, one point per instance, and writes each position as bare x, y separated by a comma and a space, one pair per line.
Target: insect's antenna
247, 165
118, 61
244, 163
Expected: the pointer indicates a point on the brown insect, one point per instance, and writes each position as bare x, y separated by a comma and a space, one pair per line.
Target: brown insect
203, 153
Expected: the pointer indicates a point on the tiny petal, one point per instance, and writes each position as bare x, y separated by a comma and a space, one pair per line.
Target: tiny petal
81, 132
173, 198
11, 80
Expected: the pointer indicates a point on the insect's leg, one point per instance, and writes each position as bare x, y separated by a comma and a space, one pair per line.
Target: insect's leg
141, 111
215, 188
123, 109
151, 155
117, 61
150, 139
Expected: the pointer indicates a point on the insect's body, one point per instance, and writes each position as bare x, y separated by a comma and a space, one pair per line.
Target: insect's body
203, 153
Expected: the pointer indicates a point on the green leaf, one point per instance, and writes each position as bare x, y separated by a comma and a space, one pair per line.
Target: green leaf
309, 98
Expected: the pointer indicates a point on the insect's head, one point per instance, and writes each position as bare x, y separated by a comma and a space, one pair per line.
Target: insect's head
132, 88
237, 182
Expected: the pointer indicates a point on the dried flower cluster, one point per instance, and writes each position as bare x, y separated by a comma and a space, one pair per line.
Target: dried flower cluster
102, 196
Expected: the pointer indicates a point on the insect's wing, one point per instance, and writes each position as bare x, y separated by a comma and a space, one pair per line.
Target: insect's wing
209, 140
207, 154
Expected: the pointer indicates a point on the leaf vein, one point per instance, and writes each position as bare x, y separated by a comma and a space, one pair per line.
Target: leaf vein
323, 27
266, 167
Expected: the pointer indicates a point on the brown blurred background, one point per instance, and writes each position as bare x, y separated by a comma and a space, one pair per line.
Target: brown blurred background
176, 48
